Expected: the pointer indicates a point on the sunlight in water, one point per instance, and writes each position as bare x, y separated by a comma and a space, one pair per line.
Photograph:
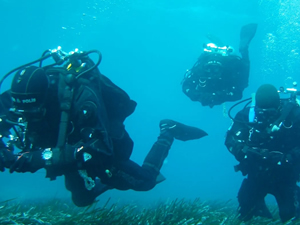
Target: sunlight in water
281, 42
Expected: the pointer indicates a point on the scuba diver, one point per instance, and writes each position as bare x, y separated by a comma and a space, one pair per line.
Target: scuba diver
264, 138
219, 75
68, 118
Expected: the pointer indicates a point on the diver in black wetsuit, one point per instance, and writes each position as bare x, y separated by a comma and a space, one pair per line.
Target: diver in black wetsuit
68, 118
220, 76
264, 138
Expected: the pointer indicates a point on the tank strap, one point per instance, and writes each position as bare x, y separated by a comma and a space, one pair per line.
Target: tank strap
66, 93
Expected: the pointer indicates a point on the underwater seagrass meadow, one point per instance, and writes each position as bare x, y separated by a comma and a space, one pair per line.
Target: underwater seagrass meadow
147, 45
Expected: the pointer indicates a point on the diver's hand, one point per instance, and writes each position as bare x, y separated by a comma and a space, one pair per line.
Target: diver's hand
28, 162
7, 158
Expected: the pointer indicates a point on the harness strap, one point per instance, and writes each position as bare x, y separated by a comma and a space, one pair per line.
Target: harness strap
65, 105
287, 108
65, 93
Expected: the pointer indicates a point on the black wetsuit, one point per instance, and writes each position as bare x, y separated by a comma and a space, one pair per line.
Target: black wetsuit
216, 79
271, 161
96, 125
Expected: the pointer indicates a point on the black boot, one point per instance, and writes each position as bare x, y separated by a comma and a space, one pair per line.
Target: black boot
180, 131
157, 154
169, 130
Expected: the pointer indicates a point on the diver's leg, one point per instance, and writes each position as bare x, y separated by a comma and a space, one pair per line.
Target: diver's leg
262, 209
288, 199
247, 33
251, 200
128, 175
122, 143
169, 130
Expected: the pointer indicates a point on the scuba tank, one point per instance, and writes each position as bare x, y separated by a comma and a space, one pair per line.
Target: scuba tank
71, 66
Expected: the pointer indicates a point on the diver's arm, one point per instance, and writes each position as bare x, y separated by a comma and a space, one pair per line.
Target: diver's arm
21, 162
234, 145
191, 84
189, 88
294, 154
57, 160
77, 157
236, 136
92, 144
229, 94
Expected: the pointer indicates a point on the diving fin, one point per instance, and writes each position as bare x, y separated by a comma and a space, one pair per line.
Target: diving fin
160, 178
247, 33
180, 131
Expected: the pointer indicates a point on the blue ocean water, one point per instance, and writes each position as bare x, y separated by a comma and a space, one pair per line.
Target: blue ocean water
147, 47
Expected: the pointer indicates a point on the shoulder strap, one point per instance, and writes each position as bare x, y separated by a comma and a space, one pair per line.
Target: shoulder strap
285, 112
65, 92
65, 95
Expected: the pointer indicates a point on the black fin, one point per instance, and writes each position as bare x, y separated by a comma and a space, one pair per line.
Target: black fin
181, 131
247, 33
160, 178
